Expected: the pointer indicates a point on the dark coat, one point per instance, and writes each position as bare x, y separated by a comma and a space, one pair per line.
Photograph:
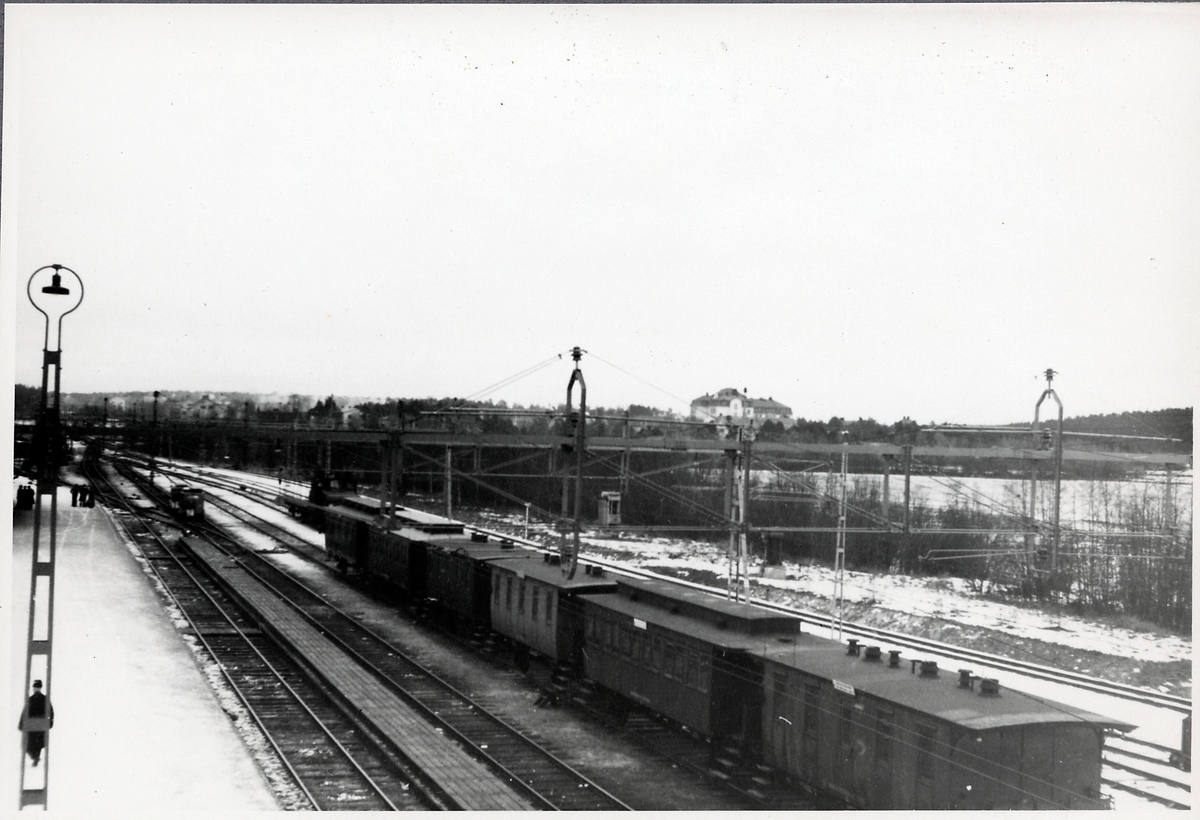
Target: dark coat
36, 707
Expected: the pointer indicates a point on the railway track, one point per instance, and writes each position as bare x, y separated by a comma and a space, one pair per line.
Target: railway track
545, 778
328, 759
1124, 769
1148, 770
723, 774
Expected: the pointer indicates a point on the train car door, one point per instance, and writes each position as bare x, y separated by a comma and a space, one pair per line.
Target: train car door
843, 774
736, 698
362, 537
812, 730
881, 773
1037, 761
926, 765
781, 728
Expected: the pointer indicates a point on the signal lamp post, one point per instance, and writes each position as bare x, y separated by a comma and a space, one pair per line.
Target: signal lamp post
154, 436
53, 300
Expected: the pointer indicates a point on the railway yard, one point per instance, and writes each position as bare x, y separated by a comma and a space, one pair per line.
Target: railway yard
350, 699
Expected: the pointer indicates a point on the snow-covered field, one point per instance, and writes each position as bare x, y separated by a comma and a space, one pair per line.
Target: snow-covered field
946, 598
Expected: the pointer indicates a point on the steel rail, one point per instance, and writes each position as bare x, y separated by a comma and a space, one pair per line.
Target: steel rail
449, 728
198, 631
448, 688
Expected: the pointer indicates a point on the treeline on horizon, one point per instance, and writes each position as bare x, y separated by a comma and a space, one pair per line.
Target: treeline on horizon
1171, 423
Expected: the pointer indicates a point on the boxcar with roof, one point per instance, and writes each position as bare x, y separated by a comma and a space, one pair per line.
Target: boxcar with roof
458, 577
898, 734
537, 607
683, 653
397, 550
347, 534
187, 502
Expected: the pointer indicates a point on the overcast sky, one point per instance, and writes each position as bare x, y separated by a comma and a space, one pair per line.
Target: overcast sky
876, 211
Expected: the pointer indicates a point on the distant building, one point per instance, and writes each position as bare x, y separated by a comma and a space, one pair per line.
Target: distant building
737, 405
208, 407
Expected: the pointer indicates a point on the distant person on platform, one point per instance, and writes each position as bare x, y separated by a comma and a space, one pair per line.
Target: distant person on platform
36, 707
74, 495
85, 496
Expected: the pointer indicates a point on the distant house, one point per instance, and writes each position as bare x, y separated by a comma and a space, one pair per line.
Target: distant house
737, 405
208, 407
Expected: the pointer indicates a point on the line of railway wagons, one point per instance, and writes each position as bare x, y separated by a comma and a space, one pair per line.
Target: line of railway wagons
880, 732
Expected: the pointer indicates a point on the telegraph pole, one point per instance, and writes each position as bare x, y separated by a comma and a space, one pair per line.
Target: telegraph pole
154, 436
744, 515
839, 564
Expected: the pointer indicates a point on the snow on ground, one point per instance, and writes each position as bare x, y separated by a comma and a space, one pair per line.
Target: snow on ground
137, 730
952, 599
946, 598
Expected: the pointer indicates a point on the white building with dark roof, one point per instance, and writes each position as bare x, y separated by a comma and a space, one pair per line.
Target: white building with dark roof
737, 405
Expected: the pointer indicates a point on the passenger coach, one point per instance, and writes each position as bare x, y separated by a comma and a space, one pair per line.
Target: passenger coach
901, 734
537, 607
688, 655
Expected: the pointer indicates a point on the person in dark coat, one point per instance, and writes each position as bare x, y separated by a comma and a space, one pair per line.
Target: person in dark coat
85, 496
38, 706
74, 495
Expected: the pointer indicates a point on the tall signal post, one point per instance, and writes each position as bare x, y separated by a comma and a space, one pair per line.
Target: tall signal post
1058, 458
839, 563
580, 424
54, 301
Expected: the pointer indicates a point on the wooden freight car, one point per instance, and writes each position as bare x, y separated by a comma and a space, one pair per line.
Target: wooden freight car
890, 733
187, 502
458, 577
537, 607
684, 653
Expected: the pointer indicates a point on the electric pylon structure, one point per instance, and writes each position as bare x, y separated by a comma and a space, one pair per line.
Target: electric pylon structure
54, 301
1058, 459
570, 552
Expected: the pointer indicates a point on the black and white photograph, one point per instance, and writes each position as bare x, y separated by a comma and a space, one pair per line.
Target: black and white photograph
600, 407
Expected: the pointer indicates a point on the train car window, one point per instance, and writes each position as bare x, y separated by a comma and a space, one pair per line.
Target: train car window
549, 604
705, 673
533, 607
812, 696
692, 679
883, 735
669, 659
845, 720
520, 597
656, 653
508, 593
626, 641
925, 736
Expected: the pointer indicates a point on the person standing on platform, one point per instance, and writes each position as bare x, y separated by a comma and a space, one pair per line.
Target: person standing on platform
38, 706
74, 495
85, 496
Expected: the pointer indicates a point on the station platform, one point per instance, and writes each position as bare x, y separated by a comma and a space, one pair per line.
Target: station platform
137, 727
459, 777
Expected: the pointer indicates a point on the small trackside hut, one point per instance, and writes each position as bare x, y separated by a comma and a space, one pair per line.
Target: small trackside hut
889, 733
684, 653
537, 607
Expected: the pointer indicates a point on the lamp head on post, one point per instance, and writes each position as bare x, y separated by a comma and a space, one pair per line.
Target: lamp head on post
48, 300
